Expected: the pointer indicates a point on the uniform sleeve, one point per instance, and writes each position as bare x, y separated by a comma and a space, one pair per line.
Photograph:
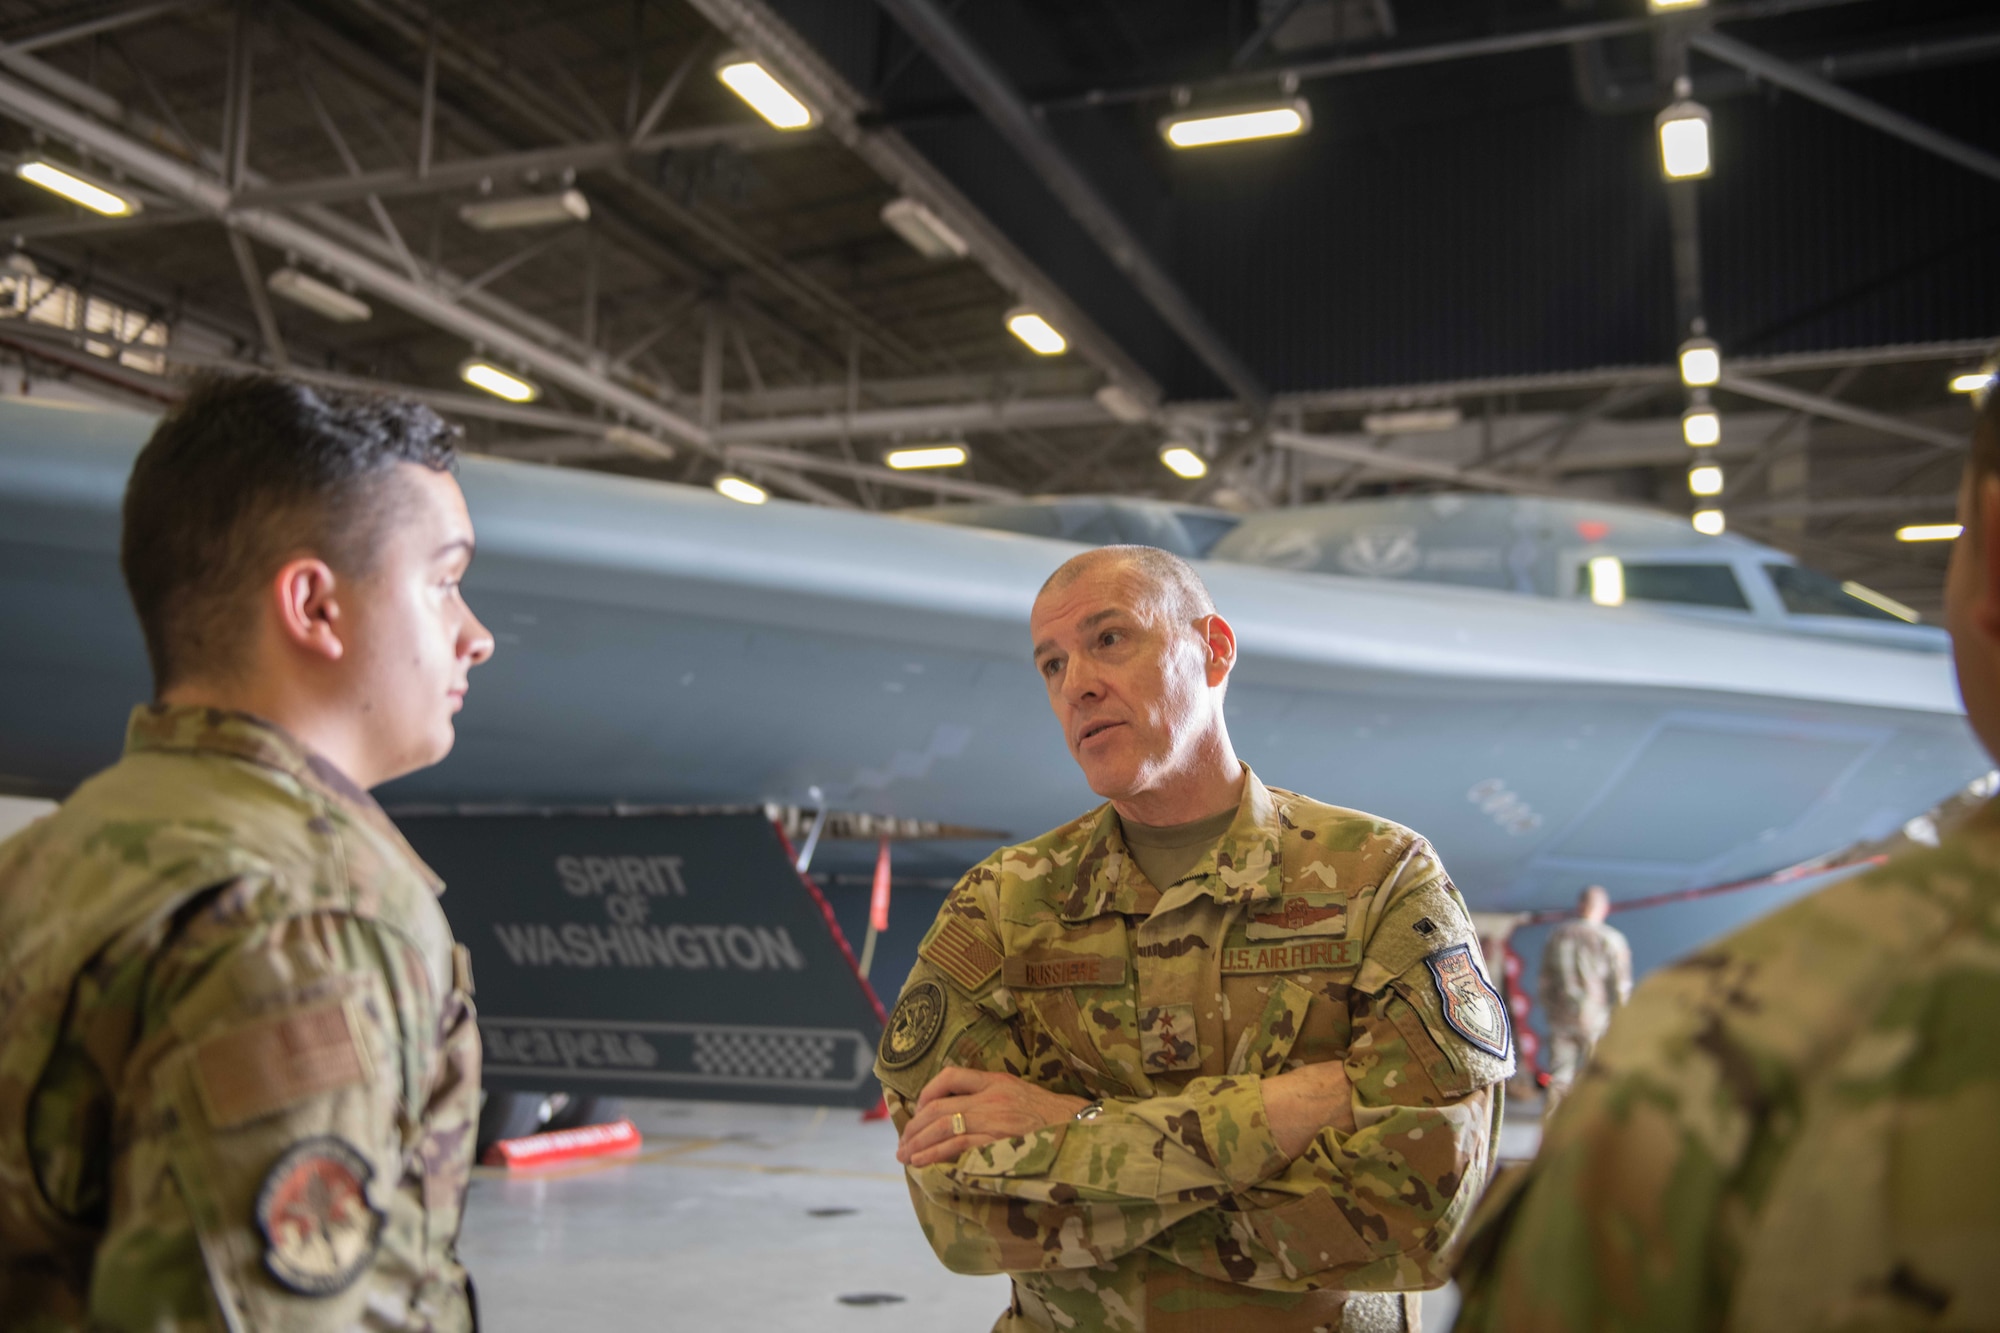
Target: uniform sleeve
1152, 1172
1616, 1222
1380, 1208
267, 1123
1624, 970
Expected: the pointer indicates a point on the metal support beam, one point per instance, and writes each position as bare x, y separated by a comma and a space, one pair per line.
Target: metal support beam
967, 418
1813, 404
981, 81
1851, 507
197, 189
1814, 88
260, 300
1400, 464
748, 454
467, 173
103, 23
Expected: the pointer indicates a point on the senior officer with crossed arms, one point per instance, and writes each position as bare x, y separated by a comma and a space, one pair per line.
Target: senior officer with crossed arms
1213, 1055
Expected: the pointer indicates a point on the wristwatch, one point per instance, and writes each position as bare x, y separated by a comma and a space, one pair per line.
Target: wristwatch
1091, 1112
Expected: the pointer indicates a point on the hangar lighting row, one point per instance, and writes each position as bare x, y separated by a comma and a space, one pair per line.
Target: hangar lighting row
78, 189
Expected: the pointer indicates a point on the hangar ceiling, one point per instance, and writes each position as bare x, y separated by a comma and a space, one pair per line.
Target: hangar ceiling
1468, 273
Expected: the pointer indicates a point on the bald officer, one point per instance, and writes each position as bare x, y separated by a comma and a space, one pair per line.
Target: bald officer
239, 1073
1211, 1056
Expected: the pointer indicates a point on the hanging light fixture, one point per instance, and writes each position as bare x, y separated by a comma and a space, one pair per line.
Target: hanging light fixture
1683, 131
1701, 362
761, 89
1709, 522
1701, 424
1040, 335
78, 189
1184, 462
1705, 479
483, 374
1269, 120
740, 489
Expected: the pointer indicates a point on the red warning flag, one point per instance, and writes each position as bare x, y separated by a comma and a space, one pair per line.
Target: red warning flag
878, 905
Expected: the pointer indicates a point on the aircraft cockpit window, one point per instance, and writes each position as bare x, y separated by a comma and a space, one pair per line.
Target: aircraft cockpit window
1684, 584
1807, 592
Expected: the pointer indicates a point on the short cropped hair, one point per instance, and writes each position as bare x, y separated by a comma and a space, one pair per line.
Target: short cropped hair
1179, 591
243, 474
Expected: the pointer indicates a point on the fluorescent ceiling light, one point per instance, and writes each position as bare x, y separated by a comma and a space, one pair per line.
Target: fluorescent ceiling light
1701, 427
740, 490
1705, 480
924, 230
1122, 403
500, 383
1607, 580
1273, 120
1037, 332
76, 189
1701, 362
1972, 381
1879, 599
929, 455
319, 297
528, 210
1674, 6
1184, 462
1422, 421
766, 96
1708, 522
1683, 131
1930, 532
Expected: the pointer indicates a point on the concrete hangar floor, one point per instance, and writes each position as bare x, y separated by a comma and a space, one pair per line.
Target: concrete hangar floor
734, 1217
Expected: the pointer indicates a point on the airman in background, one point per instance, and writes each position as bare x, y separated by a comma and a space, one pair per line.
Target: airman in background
239, 1072
1212, 1056
1586, 975
1793, 1129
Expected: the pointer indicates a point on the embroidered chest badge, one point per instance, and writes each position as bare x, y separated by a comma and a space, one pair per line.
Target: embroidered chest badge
914, 1026
1471, 1005
1298, 916
319, 1229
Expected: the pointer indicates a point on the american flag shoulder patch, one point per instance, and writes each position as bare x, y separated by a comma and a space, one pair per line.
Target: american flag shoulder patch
957, 951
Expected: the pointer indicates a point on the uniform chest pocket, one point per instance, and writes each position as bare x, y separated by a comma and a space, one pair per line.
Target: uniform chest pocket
1263, 1045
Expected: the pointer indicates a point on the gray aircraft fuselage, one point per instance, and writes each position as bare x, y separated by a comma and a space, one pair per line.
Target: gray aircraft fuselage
661, 645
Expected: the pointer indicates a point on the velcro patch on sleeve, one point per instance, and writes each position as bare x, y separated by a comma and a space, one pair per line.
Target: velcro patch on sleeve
1055, 971
270, 1064
957, 951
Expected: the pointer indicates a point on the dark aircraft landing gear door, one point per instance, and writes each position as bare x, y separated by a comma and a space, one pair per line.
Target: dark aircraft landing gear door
652, 956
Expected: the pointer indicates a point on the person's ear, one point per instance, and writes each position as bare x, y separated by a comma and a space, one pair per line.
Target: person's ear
1220, 641
308, 609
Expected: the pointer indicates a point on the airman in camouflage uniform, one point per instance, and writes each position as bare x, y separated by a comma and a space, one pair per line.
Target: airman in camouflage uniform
1797, 1128
1306, 937
219, 952
1586, 975
239, 1068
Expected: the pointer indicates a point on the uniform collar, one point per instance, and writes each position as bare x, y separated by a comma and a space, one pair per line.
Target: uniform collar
180, 728
1243, 866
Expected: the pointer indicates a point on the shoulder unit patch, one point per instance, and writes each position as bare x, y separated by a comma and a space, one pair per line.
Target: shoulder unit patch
319, 1229
1471, 1005
914, 1026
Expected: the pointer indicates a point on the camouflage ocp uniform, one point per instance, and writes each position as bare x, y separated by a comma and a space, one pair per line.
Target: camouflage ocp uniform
1309, 934
1586, 974
1797, 1128
239, 1071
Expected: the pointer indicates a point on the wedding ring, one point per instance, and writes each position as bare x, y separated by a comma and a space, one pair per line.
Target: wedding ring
958, 1122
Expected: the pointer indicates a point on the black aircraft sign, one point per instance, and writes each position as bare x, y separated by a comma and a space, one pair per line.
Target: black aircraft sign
652, 956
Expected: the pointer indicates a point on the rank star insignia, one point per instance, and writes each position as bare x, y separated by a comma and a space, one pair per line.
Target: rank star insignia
319, 1229
1471, 1005
915, 1024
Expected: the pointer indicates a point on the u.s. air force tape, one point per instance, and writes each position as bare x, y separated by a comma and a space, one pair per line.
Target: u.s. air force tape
914, 1026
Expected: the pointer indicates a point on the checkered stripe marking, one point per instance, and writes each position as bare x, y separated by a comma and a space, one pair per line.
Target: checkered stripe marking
781, 1057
